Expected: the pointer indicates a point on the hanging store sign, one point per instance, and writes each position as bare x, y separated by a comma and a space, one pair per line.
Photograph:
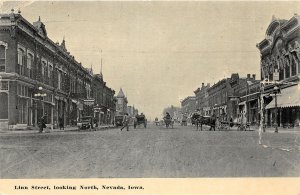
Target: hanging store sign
89, 102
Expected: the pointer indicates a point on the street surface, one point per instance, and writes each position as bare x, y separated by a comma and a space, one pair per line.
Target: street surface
152, 152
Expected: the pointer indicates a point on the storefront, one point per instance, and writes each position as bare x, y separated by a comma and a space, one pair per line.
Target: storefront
287, 108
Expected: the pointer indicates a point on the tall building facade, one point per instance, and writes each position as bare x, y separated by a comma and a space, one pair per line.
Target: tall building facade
218, 98
201, 98
104, 107
188, 105
280, 66
229, 98
38, 77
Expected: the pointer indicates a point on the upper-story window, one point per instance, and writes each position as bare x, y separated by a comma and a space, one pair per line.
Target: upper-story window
21, 58
3, 47
29, 62
59, 79
88, 90
44, 67
50, 72
21, 61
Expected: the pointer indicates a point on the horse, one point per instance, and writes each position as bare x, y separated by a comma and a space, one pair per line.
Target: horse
200, 120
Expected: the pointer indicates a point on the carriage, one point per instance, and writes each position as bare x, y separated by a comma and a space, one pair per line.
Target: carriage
169, 122
140, 120
199, 120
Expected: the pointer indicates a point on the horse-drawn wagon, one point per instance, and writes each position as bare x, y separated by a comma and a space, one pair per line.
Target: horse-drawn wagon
168, 122
140, 120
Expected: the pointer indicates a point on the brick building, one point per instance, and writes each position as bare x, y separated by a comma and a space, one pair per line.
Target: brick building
248, 92
104, 106
188, 105
218, 98
201, 98
280, 63
229, 99
39, 77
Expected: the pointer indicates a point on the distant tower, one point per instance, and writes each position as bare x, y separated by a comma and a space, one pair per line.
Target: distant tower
121, 102
91, 69
101, 66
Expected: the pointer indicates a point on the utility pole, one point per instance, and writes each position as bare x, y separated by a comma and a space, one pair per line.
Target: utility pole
261, 126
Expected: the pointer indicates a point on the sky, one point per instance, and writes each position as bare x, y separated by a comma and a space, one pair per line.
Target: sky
159, 52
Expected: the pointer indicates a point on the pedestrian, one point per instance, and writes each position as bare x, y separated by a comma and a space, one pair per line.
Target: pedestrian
92, 123
218, 123
61, 123
231, 122
96, 122
125, 122
42, 123
213, 122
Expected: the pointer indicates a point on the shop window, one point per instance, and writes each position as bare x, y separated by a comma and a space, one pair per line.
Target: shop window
22, 111
3, 105
294, 69
281, 74
4, 85
287, 71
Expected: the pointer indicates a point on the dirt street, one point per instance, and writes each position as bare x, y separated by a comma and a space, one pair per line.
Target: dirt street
152, 152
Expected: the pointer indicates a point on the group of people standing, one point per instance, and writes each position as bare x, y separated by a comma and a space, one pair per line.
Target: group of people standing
43, 121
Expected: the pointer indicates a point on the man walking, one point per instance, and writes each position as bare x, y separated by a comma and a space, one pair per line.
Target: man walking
213, 122
61, 123
42, 124
125, 122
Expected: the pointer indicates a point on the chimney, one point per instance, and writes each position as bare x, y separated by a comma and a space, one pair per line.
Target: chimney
248, 76
254, 76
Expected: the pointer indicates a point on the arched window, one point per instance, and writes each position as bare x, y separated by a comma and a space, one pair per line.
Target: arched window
2, 58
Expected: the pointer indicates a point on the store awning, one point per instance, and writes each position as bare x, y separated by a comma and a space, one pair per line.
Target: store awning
289, 97
242, 103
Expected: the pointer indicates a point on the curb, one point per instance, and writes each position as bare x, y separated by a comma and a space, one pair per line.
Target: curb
54, 131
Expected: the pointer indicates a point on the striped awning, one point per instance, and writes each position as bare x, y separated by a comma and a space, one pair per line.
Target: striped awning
289, 97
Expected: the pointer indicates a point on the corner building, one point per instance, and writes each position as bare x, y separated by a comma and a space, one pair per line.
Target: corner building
38, 77
280, 54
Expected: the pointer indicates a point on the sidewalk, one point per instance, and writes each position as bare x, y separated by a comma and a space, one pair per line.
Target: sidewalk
48, 130
267, 129
280, 129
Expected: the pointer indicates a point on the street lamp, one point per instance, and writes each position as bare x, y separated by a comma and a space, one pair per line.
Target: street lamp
276, 109
40, 94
